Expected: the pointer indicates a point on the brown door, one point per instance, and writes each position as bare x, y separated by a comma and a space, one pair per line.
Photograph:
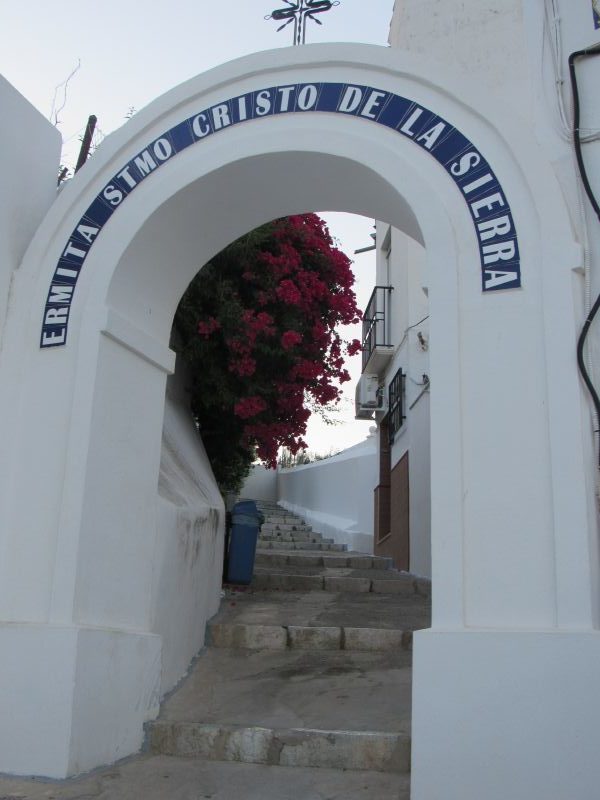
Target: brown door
392, 527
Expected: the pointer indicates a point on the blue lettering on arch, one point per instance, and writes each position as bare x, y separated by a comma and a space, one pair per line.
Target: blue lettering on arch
472, 174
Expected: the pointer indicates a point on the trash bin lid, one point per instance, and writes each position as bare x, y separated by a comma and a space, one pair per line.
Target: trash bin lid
249, 508
245, 503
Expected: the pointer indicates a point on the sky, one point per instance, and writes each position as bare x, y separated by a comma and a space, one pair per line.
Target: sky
122, 54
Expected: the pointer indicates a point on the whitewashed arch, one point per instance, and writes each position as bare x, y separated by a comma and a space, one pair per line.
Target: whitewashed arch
81, 421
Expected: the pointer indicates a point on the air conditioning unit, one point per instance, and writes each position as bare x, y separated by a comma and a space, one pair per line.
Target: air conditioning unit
369, 396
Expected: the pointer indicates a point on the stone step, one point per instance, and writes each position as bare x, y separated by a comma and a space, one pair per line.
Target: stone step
366, 691
283, 521
304, 637
283, 747
340, 580
347, 710
266, 558
324, 609
268, 544
309, 539
293, 536
273, 531
297, 526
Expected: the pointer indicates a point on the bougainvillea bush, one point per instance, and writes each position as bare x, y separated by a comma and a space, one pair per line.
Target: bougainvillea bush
258, 328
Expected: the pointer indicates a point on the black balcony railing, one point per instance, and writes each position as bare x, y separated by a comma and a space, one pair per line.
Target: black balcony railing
375, 331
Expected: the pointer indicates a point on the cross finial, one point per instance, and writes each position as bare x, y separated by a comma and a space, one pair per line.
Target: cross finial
299, 12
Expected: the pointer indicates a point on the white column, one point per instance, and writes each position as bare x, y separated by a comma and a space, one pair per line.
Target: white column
506, 684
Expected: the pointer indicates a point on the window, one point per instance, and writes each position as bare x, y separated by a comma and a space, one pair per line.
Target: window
396, 404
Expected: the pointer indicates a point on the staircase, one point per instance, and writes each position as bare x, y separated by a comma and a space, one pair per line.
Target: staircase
308, 668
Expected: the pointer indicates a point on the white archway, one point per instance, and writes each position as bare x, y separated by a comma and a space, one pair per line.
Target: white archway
497, 452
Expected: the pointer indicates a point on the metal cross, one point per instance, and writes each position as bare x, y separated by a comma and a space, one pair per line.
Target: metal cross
299, 12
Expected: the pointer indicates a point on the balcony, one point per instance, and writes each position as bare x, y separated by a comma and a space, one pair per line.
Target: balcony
377, 350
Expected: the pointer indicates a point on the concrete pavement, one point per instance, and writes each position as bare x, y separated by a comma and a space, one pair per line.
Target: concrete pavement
166, 778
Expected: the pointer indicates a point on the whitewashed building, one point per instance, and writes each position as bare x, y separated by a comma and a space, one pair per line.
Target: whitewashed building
394, 389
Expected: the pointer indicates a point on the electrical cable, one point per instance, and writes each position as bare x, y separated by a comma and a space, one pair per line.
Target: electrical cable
552, 33
552, 21
590, 51
410, 327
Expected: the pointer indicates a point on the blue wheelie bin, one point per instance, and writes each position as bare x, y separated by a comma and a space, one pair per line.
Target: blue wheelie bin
246, 520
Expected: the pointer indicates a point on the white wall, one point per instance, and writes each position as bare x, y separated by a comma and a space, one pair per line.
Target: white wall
189, 540
29, 158
419, 488
480, 38
261, 484
417, 412
336, 495
574, 27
